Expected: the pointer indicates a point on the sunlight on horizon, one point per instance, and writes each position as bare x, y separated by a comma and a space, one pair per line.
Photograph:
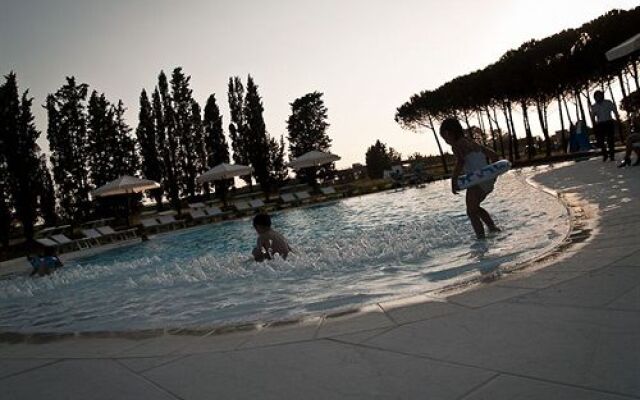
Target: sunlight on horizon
367, 57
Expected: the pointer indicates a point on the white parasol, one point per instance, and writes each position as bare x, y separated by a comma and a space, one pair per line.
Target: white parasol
224, 171
124, 185
313, 159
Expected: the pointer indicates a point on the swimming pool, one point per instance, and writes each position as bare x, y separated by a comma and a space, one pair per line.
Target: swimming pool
347, 253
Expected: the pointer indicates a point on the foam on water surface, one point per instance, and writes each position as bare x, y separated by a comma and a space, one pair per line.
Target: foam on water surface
347, 253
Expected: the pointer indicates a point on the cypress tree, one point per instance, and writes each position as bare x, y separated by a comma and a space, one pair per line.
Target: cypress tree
217, 148
47, 195
112, 150
100, 139
167, 140
148, 141
21, 153
126, 160
6, 203
199, 141
307, 127
257, 141
67, 135
237, 126
181, 104
277, 167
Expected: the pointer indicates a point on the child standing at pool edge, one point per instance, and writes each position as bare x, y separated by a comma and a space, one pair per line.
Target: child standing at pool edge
470, 156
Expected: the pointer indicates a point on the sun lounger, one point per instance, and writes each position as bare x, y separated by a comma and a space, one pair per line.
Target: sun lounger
46, 242
288, 198
123, 234
94, 236
197, 205
150, 224
330, 192
170, 221
198, 215
64, 241
304, 197
216, 212
242, 207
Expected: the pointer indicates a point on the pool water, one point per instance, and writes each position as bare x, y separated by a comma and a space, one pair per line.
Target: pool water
347, 253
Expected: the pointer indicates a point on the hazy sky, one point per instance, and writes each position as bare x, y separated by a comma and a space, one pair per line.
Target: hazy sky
366, 56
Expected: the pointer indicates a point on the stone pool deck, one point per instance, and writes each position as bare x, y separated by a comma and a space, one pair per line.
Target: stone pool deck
570, 330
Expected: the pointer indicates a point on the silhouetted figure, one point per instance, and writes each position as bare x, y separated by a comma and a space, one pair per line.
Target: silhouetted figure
603, 112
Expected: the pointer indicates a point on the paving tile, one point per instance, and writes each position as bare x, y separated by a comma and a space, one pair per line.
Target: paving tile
361, 337
314, 370
595, 289
80, 379
283, 334
484, 295
632, 260
599, 349
616, 241
140, 364
627, 301
539, 279
158, 346
510, 388
354, 323
590, 259
217, 343
11, 367
70, 348
428, 308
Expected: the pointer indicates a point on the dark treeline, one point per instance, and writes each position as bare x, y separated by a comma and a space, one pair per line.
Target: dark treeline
175, 141
559, 70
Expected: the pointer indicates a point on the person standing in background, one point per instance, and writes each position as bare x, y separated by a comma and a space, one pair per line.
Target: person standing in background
603, 113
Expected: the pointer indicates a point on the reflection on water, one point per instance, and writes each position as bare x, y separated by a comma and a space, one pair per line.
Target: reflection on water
347, 253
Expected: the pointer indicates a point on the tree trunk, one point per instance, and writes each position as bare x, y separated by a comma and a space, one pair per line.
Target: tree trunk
542, 111
509, 135
566, 107
563, 144
579, 106
587, 97
442, 157
634, 73
466, 118
622, 88
516, 149
495, 119
493, 134
527, 131
483, 134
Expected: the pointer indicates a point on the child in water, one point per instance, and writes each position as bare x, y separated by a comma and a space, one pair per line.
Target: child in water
269, 242
46, 264
470, 157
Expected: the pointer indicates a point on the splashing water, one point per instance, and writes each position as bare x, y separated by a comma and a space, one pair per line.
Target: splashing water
347, 253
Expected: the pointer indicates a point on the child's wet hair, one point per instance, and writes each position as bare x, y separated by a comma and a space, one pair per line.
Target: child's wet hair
262, 219
453, 126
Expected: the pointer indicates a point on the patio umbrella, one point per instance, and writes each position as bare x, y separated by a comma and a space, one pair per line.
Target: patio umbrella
124, 185
312, 159
224, 171
624, 49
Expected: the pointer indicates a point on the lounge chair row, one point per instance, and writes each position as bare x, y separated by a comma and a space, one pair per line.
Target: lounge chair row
162, 223
207, 214
303, 197
92, 237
